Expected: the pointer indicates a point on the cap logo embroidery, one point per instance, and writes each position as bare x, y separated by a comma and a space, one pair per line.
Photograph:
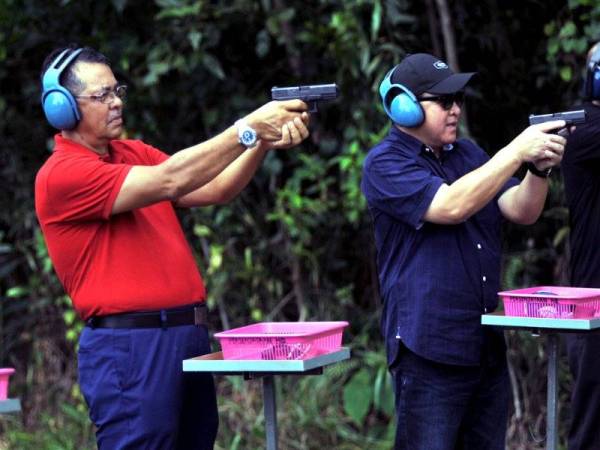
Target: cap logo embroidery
440, 65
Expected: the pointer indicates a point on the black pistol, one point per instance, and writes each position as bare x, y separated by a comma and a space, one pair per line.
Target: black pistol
570, 118
311, 94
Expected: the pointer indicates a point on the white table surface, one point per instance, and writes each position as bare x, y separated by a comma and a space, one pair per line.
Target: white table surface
499, 319
214, 362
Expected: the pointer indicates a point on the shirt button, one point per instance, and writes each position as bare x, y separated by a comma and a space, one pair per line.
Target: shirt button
478, 246
485, 310
484, 278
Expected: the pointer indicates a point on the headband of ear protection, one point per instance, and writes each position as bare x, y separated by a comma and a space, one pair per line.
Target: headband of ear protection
59, 105
400, 103
591, 87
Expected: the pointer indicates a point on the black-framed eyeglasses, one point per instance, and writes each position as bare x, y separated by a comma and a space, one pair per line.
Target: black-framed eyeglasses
109, 95
446, 101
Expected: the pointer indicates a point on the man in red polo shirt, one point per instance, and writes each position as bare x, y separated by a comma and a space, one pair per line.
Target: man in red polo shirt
106, 209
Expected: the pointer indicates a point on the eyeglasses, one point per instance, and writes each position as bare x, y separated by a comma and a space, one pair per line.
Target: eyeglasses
109, 95
446, 101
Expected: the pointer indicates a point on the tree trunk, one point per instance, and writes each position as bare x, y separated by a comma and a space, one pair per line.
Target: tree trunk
448, 35
450, 49
433, 27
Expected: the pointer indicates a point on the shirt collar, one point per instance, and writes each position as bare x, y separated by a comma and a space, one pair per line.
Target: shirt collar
64, 144
445, 148
412, 142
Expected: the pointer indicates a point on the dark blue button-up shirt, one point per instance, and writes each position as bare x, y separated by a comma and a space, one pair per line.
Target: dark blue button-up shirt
436, 280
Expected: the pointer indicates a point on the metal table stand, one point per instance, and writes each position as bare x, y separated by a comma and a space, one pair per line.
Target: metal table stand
265, 369
551, 328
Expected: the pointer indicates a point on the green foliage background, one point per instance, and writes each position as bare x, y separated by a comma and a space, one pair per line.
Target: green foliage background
297, 243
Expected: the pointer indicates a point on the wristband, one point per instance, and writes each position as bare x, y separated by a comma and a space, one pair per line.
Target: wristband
538, 173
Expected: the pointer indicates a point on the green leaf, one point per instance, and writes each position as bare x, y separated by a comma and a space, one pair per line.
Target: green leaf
550, 29
263, 43
560, 236
256, 315
553, 47
71, 335
376, 20
17, 291
216, 256
357, 396
345, 163
213, 65
202, 230
566, 73
179, 12
248, 257
568, 30
568, 45
296, 201
155, 70
69, 316
195, 37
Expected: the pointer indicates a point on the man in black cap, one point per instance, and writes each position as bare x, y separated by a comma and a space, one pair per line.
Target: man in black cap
437, 204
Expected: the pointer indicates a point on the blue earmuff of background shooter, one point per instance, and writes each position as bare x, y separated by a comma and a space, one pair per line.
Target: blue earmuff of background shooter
400, 103
59, 105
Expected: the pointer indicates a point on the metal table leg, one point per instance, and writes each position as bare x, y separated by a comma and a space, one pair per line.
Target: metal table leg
552, 406
270, 411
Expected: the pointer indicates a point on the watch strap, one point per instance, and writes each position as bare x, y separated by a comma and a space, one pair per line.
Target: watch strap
538, 173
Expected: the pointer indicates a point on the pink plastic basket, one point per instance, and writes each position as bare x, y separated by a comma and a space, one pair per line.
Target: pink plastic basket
281, 340
556, 302
5, 374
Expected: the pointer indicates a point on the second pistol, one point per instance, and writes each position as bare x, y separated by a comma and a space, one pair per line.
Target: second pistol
310, 94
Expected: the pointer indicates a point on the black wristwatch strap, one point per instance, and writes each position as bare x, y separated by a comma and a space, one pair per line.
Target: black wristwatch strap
538, 173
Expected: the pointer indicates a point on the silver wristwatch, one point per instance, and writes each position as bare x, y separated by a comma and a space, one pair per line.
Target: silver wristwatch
247, 136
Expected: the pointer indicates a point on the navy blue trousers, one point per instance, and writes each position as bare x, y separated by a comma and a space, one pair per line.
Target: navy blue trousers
584, 362
449, 407
138, 395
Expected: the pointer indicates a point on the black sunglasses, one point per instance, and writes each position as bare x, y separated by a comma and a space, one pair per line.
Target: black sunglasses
447, 100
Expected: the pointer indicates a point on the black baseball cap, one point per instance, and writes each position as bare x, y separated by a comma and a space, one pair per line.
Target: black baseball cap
423, 72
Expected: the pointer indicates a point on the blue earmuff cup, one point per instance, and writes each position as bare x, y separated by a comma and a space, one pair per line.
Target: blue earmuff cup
406, 111
59, 111
399, 103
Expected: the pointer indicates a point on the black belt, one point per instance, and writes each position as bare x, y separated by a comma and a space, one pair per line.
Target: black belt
187, 315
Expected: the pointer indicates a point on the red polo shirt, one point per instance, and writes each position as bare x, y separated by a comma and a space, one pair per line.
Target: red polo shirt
133, 261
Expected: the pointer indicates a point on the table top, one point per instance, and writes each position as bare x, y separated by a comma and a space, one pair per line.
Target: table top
559, 325
10, 405
214, 362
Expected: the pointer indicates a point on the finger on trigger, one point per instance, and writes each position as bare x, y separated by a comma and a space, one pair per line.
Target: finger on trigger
552, 125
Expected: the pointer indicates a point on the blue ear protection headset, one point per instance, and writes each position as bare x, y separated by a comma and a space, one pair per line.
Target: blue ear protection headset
591, 85
400, 103
59, 105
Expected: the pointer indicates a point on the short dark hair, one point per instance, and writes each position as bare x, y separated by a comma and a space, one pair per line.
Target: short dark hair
68, 79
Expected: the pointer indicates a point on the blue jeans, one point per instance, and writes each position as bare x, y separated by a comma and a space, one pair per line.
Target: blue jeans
137, 393
447, 407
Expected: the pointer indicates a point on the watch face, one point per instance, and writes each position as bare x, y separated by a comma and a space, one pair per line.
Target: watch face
248, 137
